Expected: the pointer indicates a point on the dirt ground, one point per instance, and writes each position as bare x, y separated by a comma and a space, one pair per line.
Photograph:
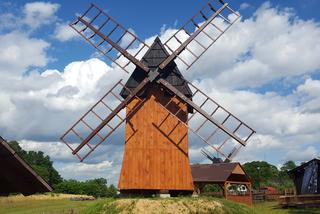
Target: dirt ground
146, 206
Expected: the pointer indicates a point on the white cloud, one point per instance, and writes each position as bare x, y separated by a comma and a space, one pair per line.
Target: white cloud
8, 21
310, 87
64, 32
310, 91
307, 154
16, 49
271, 45
89, 169
56, 150
244, 6
85, 171
39, 13
55, 97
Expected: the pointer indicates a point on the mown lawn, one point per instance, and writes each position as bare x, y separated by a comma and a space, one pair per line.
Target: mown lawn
42, 204
272, 208
58, 205
179, 205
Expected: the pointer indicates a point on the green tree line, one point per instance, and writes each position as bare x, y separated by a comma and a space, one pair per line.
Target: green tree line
263, 173
96, 187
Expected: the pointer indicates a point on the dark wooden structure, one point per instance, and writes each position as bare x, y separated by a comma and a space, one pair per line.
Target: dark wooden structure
16, 175
306, 179
231, 177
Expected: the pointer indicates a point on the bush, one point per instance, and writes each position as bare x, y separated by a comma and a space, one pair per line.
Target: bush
96, 187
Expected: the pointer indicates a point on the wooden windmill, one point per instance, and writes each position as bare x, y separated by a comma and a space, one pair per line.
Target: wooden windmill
158, 106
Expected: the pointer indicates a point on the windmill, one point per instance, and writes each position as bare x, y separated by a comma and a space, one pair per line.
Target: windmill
158, 106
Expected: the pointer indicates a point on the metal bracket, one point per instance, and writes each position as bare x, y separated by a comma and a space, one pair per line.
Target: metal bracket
153, 74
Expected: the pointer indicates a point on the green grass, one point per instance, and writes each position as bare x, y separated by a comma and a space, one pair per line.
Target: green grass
44, 206
102, 206
273, 208
111, 206
230, 207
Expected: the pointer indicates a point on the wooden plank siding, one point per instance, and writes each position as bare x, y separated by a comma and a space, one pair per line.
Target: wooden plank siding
156, 147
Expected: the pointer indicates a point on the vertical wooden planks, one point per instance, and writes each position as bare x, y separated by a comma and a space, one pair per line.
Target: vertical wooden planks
154, 157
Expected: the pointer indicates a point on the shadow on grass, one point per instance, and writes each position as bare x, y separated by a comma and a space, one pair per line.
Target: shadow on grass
296, 210
274, 208
304, 210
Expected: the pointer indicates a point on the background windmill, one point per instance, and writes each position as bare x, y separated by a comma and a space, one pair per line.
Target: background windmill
157, 104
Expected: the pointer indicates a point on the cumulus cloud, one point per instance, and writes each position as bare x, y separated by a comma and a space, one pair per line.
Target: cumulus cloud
60, 97
56, 150
16, 49
310, 87
8, 21
88, 169
33, 16
39, 13
272, 45
244, 6
306, 155
64, 32
310, 92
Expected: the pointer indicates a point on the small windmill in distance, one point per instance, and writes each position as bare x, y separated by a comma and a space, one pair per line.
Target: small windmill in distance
157, 104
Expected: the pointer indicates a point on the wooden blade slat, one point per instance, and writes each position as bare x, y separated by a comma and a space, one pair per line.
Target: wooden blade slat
200, 27
103, 121
105, 30
212, 118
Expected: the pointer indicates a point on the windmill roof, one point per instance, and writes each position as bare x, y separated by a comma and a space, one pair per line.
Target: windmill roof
16, 175
217, 172
300, 168
153, 58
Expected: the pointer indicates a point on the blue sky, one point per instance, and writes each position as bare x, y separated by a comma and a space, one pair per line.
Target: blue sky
144, 17
265, 70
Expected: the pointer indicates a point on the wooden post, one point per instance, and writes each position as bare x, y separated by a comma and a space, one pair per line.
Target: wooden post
197, 188
250, 192
225, 190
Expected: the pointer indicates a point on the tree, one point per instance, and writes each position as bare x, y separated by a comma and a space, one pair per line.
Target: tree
287, 166
212, 188
42, 164
284, 179
265, 174
262, 173
96, 187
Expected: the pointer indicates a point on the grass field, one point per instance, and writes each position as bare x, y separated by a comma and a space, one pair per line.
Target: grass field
56, 204
272, 208
50, 203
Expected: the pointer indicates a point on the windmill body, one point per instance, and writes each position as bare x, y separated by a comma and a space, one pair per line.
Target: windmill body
160, 106
156, 143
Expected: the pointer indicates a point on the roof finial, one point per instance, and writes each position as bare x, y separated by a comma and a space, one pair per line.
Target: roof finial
157, 39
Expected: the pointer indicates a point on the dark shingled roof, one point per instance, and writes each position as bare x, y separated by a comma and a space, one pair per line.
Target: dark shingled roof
153, 58
300, 168
16, 175
217, 172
